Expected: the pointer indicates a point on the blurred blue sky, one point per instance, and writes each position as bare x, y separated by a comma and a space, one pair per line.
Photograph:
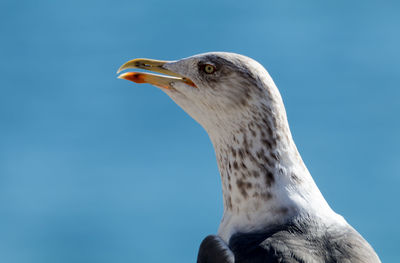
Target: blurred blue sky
96, 169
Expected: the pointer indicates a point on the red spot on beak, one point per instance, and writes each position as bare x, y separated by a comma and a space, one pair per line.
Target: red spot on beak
189, 82
134, 76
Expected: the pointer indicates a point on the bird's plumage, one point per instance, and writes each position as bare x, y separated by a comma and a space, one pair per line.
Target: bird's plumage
302, 240
273, 210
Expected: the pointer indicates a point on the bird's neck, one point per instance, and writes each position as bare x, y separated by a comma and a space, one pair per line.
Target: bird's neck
264, 179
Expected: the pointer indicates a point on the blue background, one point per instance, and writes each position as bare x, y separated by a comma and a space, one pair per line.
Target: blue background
96, 169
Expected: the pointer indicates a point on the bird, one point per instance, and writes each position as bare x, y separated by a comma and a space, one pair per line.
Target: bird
273, 209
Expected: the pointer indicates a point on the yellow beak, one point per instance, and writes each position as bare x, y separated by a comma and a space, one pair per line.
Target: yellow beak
162, 81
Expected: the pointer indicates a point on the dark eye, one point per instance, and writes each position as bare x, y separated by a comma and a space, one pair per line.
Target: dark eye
209, 69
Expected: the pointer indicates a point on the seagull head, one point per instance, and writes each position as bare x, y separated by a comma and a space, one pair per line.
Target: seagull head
217, 89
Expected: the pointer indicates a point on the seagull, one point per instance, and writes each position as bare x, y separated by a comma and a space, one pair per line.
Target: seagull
273, 210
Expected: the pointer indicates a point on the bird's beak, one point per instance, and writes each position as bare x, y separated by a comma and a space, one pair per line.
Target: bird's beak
162, 81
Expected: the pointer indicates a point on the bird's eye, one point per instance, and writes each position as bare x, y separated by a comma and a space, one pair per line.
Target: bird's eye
209, 69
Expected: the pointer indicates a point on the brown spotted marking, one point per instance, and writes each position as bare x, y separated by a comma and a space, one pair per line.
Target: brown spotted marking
241, 153
266, 196
267, 143
233, 151
295, 178
255, 174
275, 156
229, 202
241, 185
235, 165
249, 126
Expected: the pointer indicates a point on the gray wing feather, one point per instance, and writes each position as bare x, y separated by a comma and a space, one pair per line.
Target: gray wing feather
303, 241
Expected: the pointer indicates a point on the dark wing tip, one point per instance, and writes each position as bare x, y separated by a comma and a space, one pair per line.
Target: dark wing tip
214, 250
